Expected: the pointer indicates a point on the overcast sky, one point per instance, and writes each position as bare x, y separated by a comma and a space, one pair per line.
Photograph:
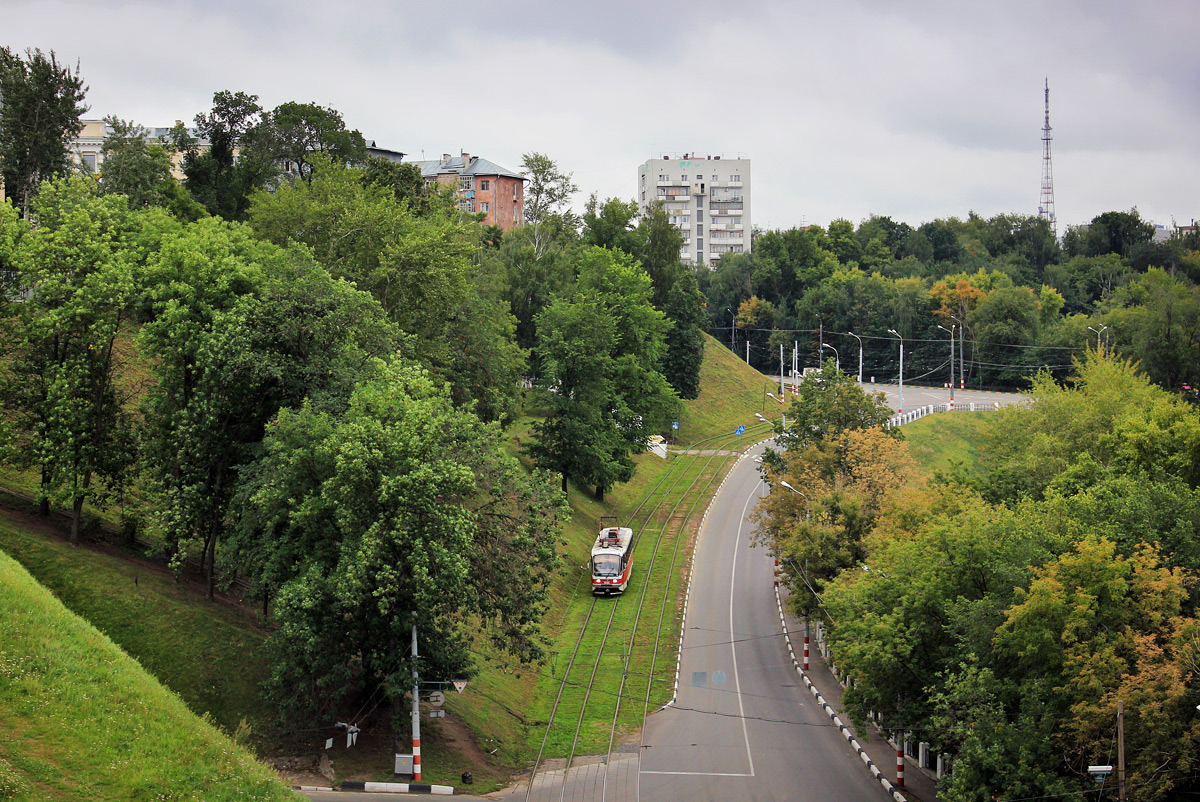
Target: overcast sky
915, 110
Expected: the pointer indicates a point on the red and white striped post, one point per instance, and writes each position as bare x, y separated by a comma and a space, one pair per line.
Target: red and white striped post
416, 714
900, 761
806, 644
776, 572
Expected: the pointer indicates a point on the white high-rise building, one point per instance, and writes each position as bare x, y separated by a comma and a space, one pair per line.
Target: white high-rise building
707, 197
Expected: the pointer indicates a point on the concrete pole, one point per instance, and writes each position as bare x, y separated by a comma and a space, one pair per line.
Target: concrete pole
1121, 750
416, 712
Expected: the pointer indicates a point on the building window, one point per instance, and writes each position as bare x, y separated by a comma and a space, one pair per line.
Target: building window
484, 185
737, 178
699, 229
89, 159
485, 207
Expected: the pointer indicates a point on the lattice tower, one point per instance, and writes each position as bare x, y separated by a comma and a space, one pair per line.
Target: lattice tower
1046, 205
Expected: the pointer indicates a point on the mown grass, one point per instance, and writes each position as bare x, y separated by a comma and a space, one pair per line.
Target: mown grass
83, 720
947, 441
208, 653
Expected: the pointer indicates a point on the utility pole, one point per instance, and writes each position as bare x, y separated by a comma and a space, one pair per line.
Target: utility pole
416, 712
1121, 750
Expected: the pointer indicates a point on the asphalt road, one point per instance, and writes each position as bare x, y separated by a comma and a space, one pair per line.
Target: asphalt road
742, 728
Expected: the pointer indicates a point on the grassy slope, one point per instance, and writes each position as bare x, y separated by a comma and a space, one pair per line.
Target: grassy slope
206, 652
82, 720
945, 441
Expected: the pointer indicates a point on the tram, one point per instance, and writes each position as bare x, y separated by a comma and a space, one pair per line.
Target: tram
612, 560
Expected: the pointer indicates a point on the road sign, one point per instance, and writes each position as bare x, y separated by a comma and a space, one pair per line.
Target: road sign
740, 430
437, 713
674, 424
460, 685
437, 698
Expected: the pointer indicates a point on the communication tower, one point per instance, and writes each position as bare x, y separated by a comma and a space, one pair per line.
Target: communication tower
1046, 206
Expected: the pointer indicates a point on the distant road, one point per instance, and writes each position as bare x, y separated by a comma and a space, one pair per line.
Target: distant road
923, 395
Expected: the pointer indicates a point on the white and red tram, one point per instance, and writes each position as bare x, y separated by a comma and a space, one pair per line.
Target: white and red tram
612, 560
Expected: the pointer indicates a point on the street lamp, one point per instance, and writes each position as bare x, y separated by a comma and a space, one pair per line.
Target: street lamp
860, 354
962, 351
900, 409
732, 341
837, 357
1098, 333
808, 515
951, 330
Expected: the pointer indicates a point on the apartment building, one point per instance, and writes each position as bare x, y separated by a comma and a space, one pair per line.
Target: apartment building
483, 187
706, 196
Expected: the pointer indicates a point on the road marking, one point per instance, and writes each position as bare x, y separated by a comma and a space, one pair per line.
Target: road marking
697, 773
733, 646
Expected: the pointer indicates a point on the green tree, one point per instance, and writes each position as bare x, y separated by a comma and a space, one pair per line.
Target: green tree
401, 511
420, 268
685, 341
141, 171
546, 197
599, 354
41, 102
831, 402
292, 134
661, 242
240, 328
216, 176
611, 224
76, 272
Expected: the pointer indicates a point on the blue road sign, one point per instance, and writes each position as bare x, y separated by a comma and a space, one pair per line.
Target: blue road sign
674, 424
740, 430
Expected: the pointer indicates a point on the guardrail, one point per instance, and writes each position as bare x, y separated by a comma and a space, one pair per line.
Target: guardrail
900, 419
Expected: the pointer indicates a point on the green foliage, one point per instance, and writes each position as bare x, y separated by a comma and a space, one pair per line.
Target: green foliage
141, 171
660, 242
401, 511
419, 269
215, 176
547, 194
831, 402
611, 225
292, 134
84, 720
76, 270
685, 341
41, 102
599, 353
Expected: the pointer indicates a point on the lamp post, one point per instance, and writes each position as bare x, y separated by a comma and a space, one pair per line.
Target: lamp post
808, 515
860, 354
951, 330
962, 350
1099, 331
837, 357
900, 409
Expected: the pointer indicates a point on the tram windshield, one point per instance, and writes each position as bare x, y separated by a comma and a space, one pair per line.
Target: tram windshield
606, 565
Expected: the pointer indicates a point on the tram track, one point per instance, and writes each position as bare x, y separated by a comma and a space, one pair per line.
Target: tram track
661, 515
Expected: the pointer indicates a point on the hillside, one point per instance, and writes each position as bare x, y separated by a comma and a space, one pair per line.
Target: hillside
84, 721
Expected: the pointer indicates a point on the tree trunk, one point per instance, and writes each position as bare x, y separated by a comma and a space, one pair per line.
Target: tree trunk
76, 514
564, 478
212, 564
599, 493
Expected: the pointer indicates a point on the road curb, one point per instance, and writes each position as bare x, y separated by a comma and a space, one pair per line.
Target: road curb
829, 711
397, 788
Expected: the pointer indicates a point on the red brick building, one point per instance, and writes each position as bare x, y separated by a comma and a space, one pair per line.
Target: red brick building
483, 187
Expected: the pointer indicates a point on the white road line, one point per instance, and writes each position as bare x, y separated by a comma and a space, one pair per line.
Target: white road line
733, 646
697, 774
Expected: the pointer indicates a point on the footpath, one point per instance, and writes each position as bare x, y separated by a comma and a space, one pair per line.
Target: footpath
919, 784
